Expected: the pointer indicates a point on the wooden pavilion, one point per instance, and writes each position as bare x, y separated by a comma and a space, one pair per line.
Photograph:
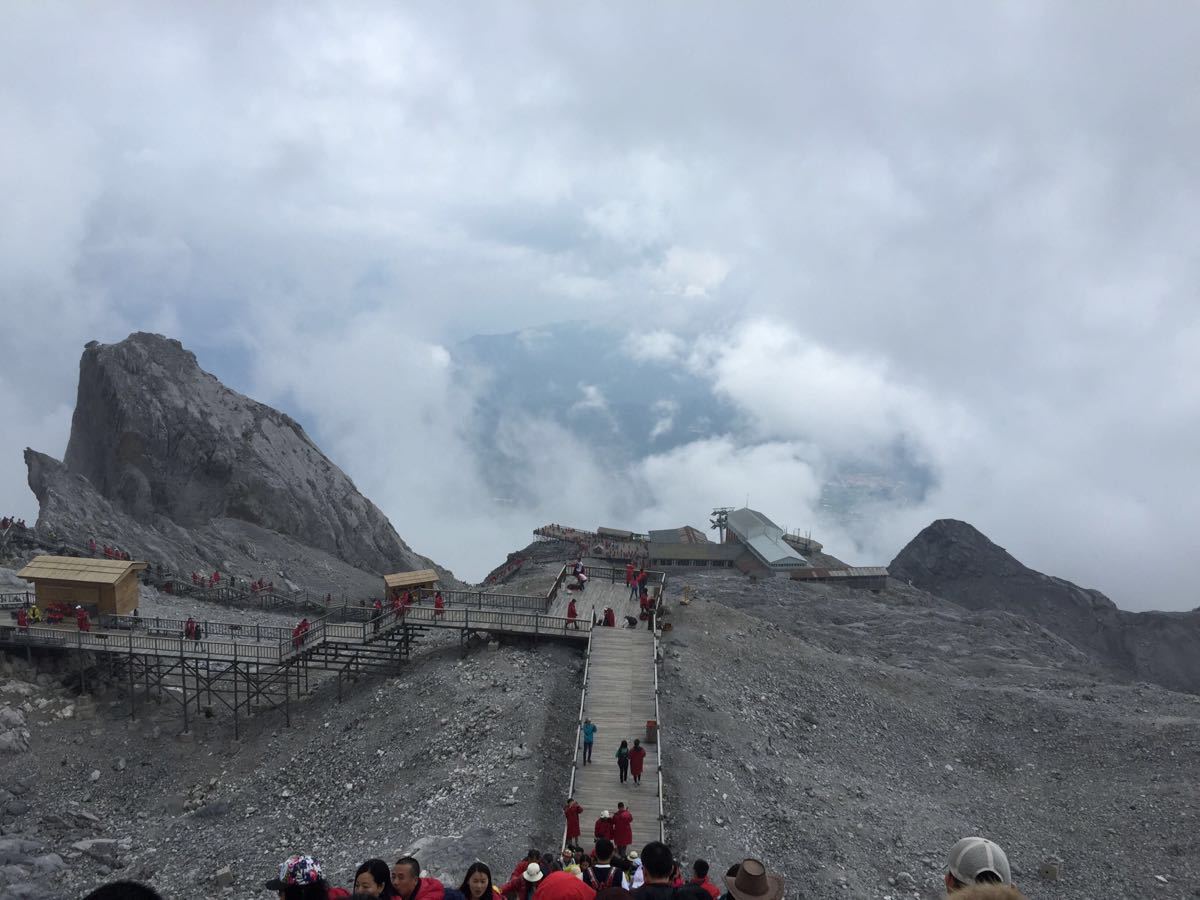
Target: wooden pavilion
421, 579
101, 586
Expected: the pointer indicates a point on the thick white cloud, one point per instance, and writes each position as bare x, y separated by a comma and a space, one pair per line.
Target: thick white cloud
968, 229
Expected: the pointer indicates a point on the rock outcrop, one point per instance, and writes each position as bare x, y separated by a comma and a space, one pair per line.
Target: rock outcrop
955, 561
180, 467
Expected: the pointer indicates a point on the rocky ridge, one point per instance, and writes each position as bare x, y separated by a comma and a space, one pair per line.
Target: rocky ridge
955, 561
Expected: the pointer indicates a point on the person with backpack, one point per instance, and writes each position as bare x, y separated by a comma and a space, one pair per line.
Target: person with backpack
637, 759
602, 873
623, 761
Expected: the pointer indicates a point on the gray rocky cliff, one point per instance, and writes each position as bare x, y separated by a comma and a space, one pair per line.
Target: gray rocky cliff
165, 452
955, 561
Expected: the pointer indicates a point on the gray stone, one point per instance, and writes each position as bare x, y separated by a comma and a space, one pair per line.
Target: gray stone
223, 877
48, 864
11, 718
16, 808
18, 849
15, 741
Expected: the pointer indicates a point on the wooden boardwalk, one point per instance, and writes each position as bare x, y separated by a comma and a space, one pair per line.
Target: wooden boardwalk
619, 698
273, 645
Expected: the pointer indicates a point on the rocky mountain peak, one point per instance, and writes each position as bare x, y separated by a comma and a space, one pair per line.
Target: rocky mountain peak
949, 548
164, 443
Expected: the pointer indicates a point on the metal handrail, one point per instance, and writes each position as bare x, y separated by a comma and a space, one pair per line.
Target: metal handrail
481, 599
208, 627
587, 663
662, 815
127, 640
14, 600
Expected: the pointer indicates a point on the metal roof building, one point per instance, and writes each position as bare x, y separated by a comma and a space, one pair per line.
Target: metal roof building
764, 539
709, 554
685, 535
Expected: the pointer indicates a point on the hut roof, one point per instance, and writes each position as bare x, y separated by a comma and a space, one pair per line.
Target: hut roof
79, 570
410, 579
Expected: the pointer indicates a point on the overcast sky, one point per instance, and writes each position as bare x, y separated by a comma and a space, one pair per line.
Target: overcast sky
972, 228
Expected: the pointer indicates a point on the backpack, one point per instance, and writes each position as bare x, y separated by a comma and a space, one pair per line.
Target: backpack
613, 879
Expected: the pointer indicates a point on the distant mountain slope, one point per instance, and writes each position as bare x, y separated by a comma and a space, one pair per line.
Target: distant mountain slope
954, 560
159, 442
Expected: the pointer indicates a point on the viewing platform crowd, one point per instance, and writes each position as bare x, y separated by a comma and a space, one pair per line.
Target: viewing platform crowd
976, 869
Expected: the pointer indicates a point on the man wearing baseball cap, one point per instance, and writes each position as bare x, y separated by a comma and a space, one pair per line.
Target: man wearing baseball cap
976, 860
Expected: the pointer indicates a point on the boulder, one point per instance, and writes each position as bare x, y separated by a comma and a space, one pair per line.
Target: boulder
18, 851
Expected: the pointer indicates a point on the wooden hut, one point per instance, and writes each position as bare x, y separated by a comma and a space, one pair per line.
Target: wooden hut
101, 586
421, 579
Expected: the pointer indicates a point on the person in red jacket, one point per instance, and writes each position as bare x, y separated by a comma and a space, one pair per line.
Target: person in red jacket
610, 617
572, 811
700, 879
622, 828
572, 615
22, 619
439, 605
604, 826
628, 573
82, 620
637, 758
523, 886
409, 885
531, 857
564, 886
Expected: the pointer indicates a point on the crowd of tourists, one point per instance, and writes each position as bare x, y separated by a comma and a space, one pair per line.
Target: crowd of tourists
976, 869
11, 522
109, 552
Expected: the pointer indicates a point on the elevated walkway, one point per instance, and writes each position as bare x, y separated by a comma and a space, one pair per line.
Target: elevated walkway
619, 698
246, 666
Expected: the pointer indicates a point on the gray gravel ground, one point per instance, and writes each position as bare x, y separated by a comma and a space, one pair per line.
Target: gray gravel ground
845, 737
849, 739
